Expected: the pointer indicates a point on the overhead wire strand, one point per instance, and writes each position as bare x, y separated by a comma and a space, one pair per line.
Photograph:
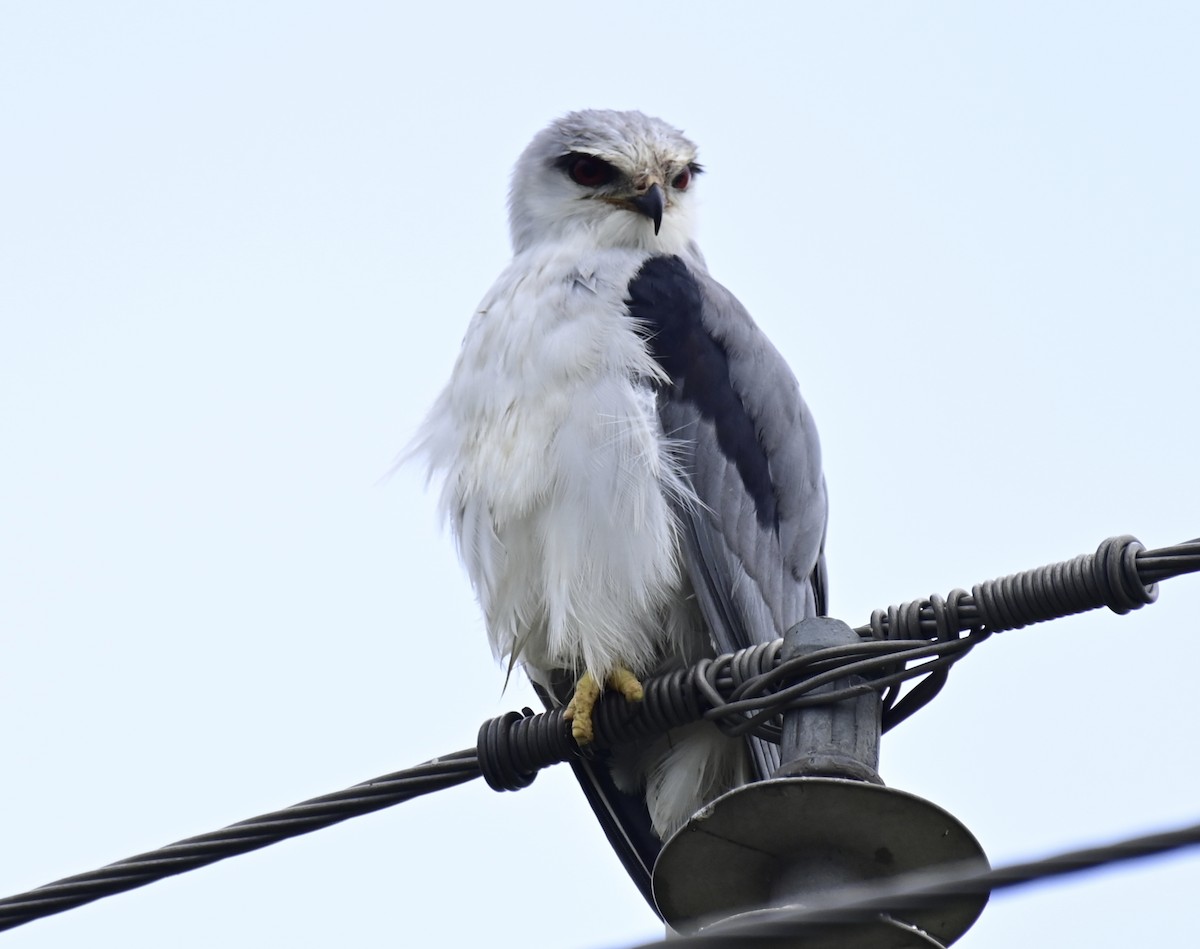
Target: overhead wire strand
239, 838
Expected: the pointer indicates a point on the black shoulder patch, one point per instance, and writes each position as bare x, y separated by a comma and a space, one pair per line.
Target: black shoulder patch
665, 300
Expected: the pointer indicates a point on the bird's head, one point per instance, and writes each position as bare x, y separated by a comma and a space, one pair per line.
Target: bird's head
617, 179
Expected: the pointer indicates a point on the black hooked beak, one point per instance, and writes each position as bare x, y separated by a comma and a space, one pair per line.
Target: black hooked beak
651, 204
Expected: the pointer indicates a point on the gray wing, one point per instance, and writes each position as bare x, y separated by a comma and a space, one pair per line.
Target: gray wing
746, 440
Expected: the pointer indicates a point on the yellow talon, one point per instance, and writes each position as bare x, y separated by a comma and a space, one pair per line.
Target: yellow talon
579, 709
625, 682
587, 694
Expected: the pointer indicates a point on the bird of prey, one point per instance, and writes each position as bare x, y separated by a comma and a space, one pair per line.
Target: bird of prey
631, 475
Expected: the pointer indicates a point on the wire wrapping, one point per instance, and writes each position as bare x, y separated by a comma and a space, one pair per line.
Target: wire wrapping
744, 692
1121, 575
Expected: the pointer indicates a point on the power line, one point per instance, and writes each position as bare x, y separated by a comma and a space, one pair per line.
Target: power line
742, 692
242, 837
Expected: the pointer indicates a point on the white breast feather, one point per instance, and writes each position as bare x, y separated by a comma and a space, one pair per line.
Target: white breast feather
557, 476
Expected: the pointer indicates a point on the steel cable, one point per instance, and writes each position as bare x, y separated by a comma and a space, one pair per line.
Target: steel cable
242, 837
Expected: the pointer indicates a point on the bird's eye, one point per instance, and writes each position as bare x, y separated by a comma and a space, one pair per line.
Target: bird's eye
589, 171
681, 181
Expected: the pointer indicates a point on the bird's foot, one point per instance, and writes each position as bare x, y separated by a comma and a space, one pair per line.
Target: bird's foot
587, 694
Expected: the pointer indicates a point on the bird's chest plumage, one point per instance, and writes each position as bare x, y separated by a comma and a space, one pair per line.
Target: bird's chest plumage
560, 482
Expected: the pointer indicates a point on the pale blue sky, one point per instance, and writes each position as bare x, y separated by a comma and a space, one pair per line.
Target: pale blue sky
239, 244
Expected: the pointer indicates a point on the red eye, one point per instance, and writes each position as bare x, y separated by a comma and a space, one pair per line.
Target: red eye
591, 172
682, 180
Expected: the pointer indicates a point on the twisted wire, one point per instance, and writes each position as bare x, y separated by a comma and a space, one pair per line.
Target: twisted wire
242, 837
1166, 563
